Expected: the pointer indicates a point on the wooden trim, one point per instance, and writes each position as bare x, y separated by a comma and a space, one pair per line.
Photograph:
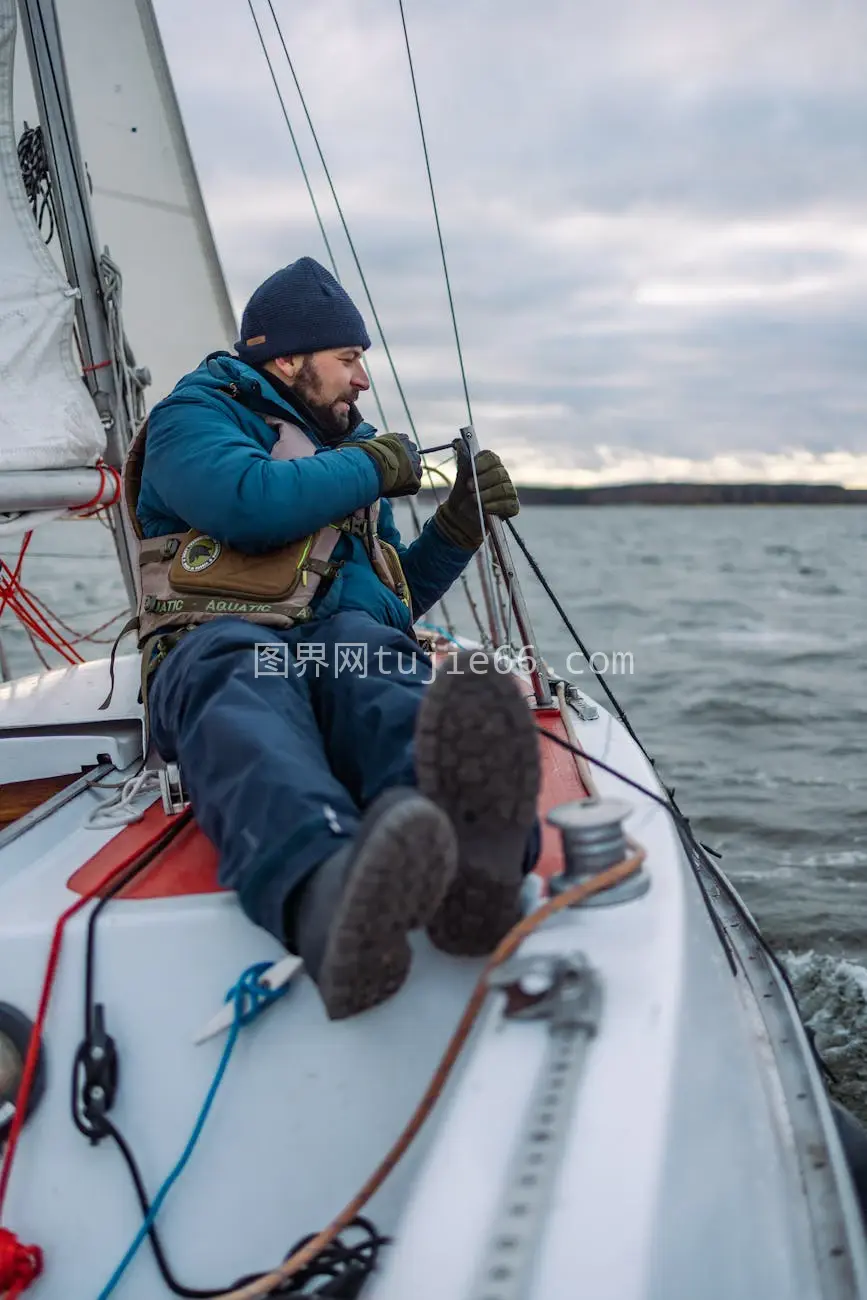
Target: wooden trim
20, 797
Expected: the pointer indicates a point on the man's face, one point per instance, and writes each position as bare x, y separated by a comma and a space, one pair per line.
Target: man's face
329, 382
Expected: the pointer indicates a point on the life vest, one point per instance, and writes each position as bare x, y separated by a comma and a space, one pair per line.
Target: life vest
187, 578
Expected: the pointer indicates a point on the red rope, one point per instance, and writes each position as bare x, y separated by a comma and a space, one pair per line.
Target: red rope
19, 1264
103, 471
23, 605
36, 620
78, 635
100, 365
13, 582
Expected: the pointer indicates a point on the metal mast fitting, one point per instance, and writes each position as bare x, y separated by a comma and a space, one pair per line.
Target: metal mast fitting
593, 840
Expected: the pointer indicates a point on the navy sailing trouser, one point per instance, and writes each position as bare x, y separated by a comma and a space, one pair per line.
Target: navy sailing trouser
284, 738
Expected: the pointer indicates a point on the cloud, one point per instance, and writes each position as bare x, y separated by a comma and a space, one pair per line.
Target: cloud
654, 216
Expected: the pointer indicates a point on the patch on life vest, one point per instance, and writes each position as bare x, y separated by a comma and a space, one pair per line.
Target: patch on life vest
200, 554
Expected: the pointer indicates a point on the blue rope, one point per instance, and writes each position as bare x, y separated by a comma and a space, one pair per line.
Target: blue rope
432, 627
250, 997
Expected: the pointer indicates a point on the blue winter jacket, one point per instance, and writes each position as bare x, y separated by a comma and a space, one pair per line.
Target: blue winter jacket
208, 466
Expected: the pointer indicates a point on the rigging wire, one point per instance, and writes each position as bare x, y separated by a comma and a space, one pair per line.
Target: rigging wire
344, 224
683, 828
294, 140
416, 518
485, 550
436, 214
337, 205
699, 855
576, 638
320, 221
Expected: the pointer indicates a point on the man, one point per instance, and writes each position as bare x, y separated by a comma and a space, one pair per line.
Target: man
349, 800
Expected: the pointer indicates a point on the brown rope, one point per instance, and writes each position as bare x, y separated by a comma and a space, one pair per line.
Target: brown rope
504, 950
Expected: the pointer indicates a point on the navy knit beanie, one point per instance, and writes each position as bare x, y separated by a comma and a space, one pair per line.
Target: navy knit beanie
299, 309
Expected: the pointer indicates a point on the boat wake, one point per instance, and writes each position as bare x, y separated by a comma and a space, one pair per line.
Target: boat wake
832, 997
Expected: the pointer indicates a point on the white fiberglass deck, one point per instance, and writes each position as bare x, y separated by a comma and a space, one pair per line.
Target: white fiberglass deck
681, 1176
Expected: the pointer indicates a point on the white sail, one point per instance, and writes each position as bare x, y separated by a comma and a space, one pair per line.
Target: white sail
47, 418
147, 204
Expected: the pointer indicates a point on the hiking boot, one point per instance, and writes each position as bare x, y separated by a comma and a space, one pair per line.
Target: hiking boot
477, 758
352, 918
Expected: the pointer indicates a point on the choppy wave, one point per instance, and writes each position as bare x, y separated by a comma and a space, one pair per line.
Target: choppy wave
729, 711
782, 550
832, 999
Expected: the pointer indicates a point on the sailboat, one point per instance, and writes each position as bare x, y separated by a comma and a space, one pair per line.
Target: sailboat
621, 1103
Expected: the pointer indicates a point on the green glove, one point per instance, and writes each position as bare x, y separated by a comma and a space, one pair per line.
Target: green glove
458, 517
397, 461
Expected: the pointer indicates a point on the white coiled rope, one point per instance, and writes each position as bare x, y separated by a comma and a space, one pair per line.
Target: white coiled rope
129, 804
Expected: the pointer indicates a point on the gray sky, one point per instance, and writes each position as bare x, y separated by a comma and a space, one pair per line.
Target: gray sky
655, 213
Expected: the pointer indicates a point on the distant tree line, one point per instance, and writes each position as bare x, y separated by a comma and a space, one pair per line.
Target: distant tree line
691, 494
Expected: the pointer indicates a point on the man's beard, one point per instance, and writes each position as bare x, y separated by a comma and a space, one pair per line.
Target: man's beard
333, 423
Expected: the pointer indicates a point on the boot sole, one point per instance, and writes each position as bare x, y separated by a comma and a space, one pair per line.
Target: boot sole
477, 757
402, 870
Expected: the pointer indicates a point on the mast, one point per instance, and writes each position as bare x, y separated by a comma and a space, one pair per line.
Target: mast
78, 241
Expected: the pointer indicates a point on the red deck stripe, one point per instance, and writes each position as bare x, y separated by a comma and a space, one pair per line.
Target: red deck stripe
189, 864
